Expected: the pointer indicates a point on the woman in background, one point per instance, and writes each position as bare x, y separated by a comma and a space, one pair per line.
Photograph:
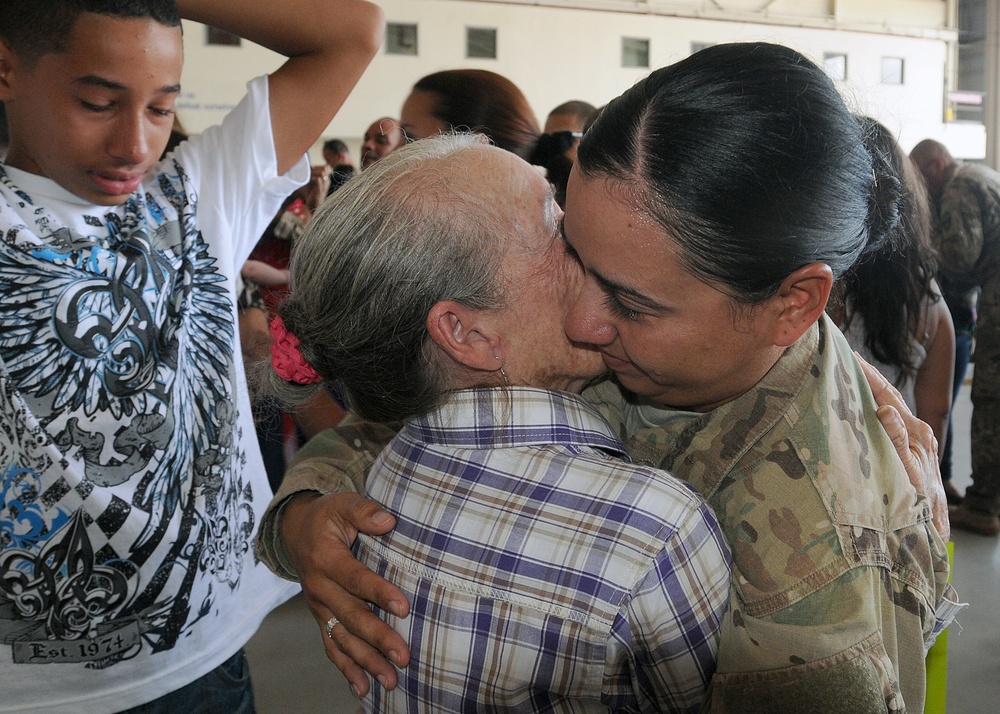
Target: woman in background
486, 103
473, 100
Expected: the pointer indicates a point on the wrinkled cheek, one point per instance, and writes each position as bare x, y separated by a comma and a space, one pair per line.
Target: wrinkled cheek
572, 276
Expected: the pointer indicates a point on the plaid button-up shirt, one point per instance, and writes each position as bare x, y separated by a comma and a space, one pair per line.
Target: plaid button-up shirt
544, 571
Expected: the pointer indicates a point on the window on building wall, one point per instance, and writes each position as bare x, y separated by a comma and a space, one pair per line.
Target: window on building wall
215, 36
892, 70
835, 64
481, 42
635, 52
699, 46
400, 39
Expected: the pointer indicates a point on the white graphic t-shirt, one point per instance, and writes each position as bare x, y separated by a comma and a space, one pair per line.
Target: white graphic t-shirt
130, 478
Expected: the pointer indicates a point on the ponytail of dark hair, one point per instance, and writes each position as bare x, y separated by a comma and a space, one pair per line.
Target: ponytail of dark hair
890, 283
888, 198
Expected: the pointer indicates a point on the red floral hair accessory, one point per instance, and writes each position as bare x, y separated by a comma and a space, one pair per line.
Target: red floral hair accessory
286, 358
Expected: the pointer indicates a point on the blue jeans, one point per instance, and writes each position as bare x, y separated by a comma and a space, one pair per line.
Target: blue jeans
224, 690
963, 352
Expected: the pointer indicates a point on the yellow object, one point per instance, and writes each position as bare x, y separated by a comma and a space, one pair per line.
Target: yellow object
937, 662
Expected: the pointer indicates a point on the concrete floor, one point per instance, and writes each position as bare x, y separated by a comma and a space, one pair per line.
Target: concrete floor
292, 675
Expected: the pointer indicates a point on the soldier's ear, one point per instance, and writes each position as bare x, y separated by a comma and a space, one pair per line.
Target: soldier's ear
801, 301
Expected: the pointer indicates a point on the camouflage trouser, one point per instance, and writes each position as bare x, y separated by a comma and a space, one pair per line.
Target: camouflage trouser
984, 493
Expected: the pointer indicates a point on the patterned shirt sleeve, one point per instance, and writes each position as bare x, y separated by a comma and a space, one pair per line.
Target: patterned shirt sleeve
671, 622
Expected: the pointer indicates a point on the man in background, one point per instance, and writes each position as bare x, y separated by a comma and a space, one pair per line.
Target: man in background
966, 201
382, 138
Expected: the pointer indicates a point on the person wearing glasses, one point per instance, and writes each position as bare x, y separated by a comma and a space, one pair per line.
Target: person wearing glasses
570, 119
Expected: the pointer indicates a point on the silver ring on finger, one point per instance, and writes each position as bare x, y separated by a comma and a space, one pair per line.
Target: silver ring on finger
330, 624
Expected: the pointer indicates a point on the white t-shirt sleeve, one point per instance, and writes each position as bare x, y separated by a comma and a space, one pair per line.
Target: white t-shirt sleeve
240, 190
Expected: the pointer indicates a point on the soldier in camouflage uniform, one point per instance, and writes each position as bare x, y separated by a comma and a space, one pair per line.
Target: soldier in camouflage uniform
966, 198
839, 577
827, 536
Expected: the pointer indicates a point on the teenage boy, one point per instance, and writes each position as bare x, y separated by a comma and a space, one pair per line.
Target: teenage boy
130, 477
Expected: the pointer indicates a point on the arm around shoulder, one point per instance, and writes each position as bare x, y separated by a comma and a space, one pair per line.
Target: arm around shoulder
914, 442
307, 533
334, 461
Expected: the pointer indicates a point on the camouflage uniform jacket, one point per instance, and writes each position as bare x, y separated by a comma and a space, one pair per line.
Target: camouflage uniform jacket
967, 236
840, 580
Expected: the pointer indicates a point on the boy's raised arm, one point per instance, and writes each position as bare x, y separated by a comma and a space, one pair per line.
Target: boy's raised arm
329, 43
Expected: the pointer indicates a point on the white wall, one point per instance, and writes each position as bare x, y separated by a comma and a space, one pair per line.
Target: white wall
560, 53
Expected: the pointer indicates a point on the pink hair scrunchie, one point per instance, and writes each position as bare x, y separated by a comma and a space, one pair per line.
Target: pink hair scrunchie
287, 359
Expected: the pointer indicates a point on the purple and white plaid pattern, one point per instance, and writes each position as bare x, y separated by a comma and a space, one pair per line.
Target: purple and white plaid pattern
545, 573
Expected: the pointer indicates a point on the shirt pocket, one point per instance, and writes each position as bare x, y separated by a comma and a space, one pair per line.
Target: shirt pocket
857, 680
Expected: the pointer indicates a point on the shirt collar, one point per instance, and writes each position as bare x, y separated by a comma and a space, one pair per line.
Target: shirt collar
36, 187
517, 416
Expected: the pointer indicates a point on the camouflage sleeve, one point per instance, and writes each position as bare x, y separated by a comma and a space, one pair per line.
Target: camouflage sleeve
606, 396
334, 461
959, 231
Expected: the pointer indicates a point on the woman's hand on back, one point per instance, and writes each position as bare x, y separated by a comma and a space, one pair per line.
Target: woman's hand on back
915, 443
317, 532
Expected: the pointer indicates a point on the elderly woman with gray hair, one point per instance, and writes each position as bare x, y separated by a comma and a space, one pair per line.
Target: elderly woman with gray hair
544, 570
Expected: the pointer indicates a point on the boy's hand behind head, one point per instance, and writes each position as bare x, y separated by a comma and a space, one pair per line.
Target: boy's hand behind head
94, 116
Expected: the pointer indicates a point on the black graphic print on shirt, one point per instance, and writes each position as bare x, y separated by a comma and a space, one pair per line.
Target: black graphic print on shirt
122, 505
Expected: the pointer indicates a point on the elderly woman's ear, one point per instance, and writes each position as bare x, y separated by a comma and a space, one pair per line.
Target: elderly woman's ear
466, 335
